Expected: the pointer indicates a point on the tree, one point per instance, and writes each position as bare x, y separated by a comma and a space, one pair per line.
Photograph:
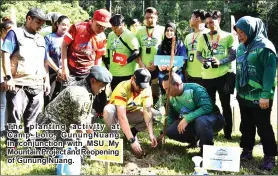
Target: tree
72, 10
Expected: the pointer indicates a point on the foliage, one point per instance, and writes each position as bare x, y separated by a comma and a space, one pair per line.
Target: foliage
72, 10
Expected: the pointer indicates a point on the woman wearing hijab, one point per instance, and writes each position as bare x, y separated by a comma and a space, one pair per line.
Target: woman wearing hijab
255, 84
165, 49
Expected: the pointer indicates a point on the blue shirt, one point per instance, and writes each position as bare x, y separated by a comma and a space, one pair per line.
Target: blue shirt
53, 48
10, 44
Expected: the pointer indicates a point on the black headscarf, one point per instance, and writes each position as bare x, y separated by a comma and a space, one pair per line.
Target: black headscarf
166, 44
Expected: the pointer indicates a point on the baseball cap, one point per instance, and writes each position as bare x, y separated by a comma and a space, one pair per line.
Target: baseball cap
102, 17
100, 73
142, 77
53, 16
38, 13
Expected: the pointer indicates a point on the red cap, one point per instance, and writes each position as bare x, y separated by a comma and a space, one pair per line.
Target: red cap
102, 17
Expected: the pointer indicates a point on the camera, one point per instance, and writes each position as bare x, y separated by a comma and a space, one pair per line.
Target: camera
209, 63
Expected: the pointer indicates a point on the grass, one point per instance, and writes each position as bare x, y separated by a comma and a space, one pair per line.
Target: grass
173, 159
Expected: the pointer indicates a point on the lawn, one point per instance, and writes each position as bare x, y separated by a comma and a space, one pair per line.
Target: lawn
173, 159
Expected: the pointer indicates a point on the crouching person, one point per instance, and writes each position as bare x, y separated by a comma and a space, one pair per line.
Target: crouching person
74, 105
192, 114
130, 104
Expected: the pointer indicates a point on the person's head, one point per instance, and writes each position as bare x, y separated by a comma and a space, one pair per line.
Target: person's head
118, 22
140, 80
100, 21
35, 19
197, 17
170, 30
61, 26
213, 20
134, 25
248, 28
151, 17
175, 83
5, 26
98, 78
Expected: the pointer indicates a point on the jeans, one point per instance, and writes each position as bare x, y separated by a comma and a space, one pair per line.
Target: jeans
252, 117
217, 84
3, 110
202, 128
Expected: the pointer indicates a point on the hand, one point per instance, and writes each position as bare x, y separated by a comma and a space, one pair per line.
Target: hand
2, 87
136, 147
65, 74
59, 75
10, 85
46, 87
153, 140
264, 103
151, 67
162, 68
215, 61
181, 127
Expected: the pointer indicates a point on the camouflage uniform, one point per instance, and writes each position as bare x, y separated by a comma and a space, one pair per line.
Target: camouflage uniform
72, 106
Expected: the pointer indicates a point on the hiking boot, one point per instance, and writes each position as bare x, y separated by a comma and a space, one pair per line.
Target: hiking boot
246, 155
268, 163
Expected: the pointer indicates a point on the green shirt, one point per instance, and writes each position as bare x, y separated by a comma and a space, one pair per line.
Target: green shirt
194, 66
115, 45
262, 64
225, 42
196, 99
155, 40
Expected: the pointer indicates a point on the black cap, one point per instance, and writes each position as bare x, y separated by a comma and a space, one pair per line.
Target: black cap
38, 13
100, 73
142, 77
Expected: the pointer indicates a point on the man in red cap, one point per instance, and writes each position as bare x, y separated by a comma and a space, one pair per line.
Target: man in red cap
83, 47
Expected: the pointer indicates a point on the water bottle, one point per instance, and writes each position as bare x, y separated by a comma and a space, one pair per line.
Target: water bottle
197, 169
67, 169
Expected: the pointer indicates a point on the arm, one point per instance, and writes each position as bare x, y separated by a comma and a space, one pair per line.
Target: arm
269, 62
135, 53
68, 39
121, 113
9, 46
203, 104
140, 62
200, 49
231, 56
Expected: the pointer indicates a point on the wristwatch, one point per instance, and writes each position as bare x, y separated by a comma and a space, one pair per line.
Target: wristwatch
131, 140
7, 77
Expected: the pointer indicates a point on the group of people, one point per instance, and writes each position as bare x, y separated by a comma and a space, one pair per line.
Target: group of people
62, 77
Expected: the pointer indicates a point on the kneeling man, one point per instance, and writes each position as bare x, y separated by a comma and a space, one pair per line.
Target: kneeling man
192, 115
130, 103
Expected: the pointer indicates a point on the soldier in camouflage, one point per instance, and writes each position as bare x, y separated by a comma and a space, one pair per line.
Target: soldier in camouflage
74, 104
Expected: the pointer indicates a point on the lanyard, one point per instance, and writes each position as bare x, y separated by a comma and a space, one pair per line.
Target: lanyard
150, 35
116, 41
214, 44
193, 39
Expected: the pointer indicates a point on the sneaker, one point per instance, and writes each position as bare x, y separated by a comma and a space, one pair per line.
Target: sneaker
268, 163
246, 155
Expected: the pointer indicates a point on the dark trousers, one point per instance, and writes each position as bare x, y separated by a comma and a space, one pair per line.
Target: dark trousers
195, 80
201, 128
55, 89
217, 84
117, 79
252, 117
26, 103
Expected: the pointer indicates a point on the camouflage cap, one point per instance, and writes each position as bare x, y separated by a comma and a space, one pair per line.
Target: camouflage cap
100, 73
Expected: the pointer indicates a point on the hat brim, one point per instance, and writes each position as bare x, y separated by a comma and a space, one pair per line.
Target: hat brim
105, 24
144, 85
44, 18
